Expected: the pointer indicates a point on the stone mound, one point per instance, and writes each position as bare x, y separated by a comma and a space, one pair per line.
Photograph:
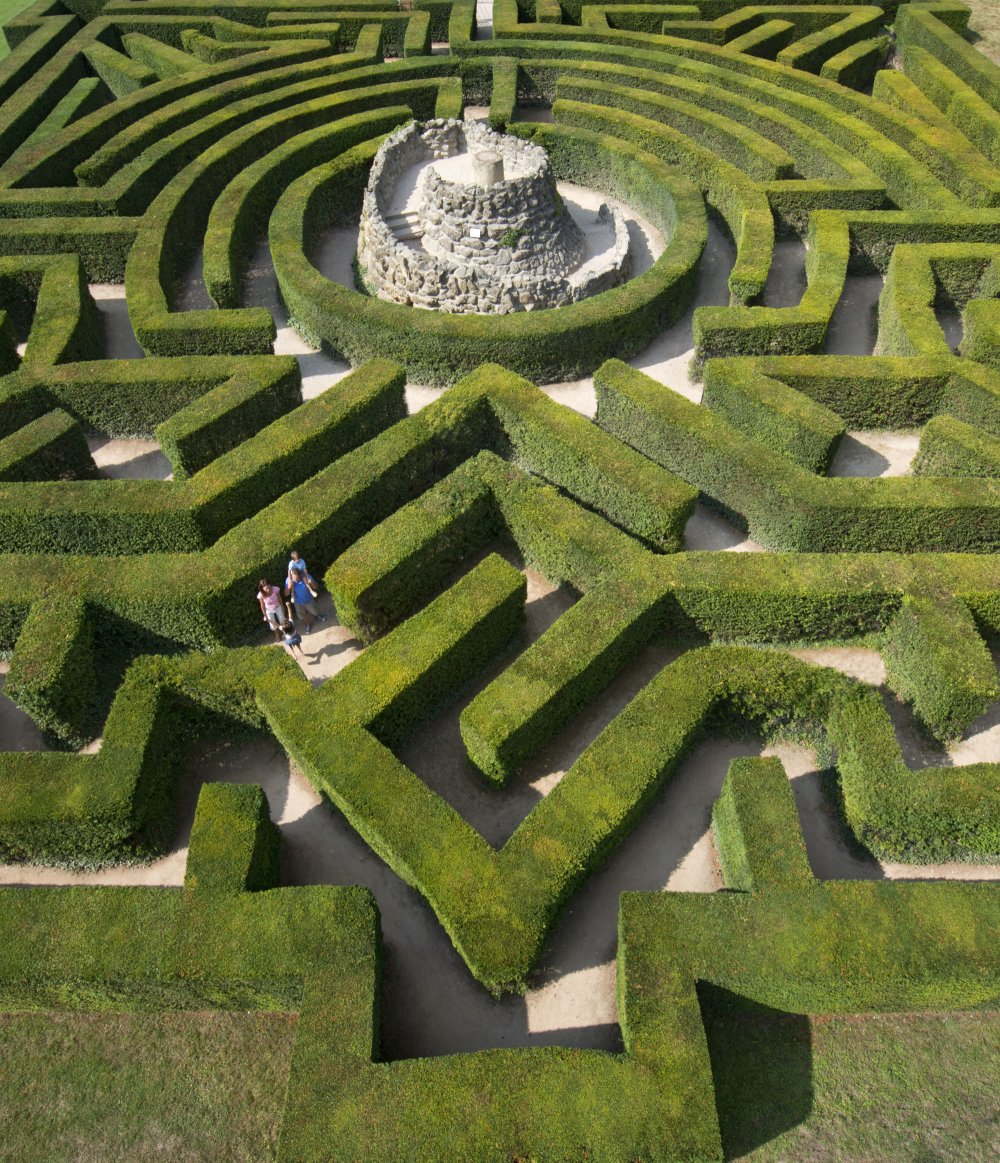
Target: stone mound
500, 241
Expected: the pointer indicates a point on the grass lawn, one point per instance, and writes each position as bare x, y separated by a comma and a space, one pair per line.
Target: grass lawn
209, 1087
182, 1087
985, 23
904, 1088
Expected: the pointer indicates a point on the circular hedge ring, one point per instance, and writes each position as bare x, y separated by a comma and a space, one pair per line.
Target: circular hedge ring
562, 343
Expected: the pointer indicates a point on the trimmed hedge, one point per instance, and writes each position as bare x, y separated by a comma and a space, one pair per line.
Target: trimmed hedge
123, 517
164, 60
119, 72
396, 504
549, 683
773, 413
48, 300
981, 341
834, 947
726, 331
499, 921
976, 180
503, 94
183, 109
756, 597
974, 111
316, 951
785, 506
234, 846
756, 828
174, 220
389, 571
402, 563
401, 679
814, 156
915, 278
812, 51
103, 244
131, 398
950, 447
498, 912
88, 810
935, 658
53, 675
696, 131
880, 137
239, 215
52, 447
225, 416
857, 65
735, 196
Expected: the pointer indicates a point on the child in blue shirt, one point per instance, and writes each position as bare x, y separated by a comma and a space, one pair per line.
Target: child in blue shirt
293, 639
297, 562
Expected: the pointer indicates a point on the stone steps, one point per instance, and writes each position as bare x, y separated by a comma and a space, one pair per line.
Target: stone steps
405, 225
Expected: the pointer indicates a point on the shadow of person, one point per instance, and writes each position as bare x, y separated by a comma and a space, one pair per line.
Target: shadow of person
329, 649
762, 1068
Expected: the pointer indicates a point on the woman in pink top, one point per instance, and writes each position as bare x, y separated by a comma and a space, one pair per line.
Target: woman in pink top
272, 607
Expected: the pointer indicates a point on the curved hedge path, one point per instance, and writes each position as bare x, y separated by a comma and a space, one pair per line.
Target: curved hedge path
164, 146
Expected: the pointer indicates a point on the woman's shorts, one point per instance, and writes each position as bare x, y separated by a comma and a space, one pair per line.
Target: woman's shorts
275, 617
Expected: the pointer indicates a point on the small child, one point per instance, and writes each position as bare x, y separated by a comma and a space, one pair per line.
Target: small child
296, 562
293, 639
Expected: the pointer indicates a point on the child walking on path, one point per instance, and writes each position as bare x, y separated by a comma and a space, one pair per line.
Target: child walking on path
293, 640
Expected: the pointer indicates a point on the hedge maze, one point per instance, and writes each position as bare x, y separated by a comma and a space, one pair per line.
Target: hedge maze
160, 144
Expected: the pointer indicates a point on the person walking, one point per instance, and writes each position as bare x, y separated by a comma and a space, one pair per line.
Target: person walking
301, 597
272, 607
293, 639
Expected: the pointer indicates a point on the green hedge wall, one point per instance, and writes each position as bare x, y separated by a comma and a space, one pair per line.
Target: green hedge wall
784, 506
234, 846
49, 448
48, 301
128, 517
756, 828
935, 658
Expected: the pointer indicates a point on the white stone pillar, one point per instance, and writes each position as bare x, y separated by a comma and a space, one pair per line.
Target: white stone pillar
487, 168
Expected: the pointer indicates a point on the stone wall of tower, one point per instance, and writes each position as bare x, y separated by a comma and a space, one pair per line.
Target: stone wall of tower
510, 247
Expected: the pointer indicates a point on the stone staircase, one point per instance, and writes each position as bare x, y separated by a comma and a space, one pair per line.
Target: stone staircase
405, 225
